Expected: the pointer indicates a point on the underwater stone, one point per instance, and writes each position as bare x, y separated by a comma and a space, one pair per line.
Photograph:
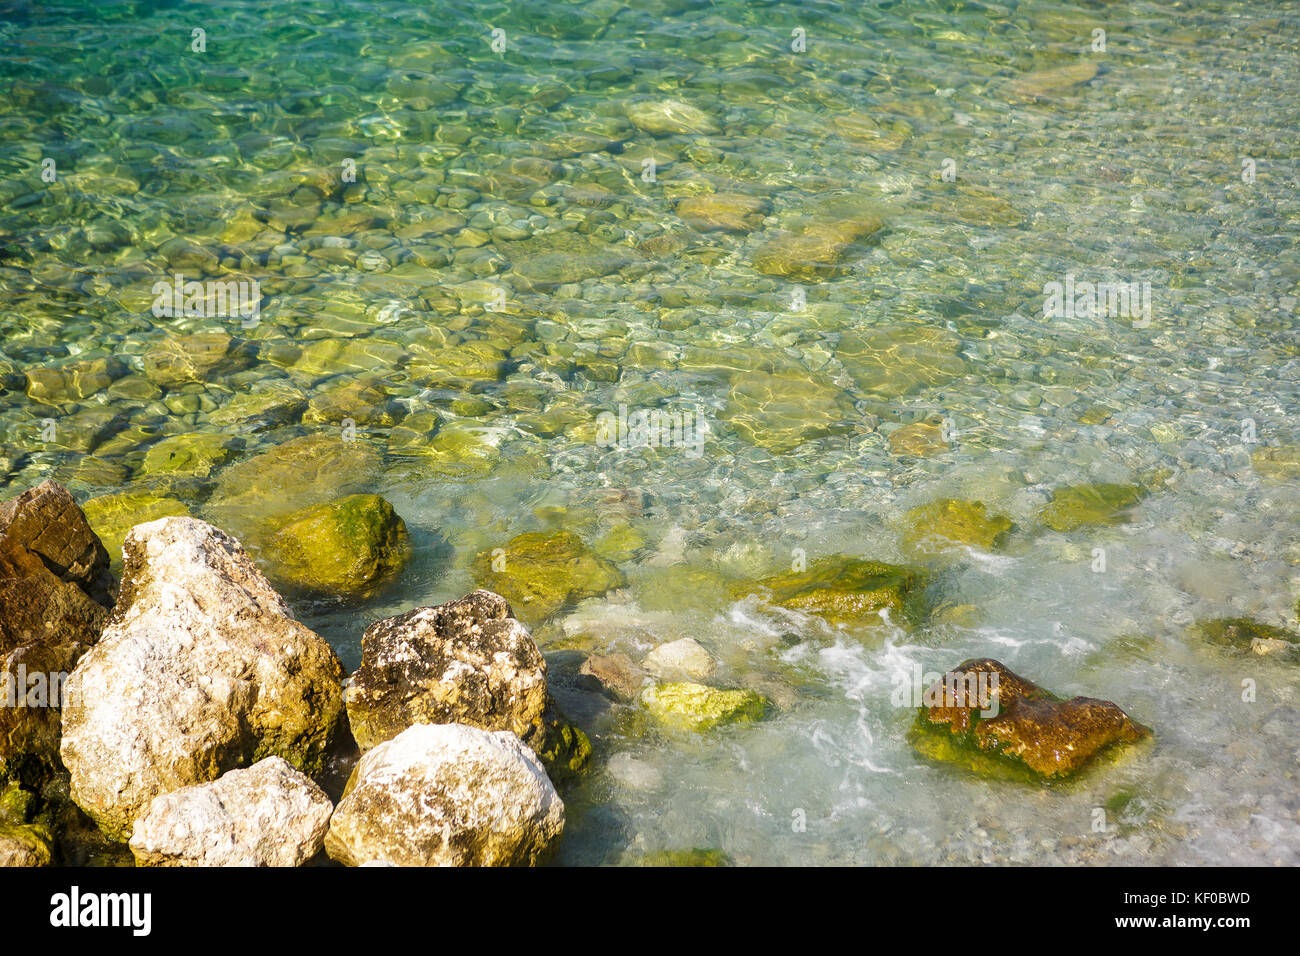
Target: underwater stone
847, 590
685, 705
1079, 506
951, 521
541, 573
347, 548
1032, 729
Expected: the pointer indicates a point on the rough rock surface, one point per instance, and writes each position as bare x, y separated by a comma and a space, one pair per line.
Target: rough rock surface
447, 795
464, 662
681, 658
202, 669
266, 815
1030, 728
55, 593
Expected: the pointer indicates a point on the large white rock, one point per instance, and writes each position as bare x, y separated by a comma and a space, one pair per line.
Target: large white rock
267, 815
447, 795
683, 658
202, 669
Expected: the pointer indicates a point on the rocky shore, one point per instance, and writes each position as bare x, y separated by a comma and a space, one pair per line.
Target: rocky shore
184, 717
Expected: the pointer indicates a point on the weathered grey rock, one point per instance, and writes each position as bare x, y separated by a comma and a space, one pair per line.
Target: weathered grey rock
465, 662
55, 592
614, 675
447, 795
202, 669
683, 658
266, 815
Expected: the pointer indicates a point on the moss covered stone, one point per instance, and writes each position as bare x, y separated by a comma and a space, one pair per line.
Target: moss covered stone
1081, 506
539, 573
1247, 634
941, 524
696, 856
348, 548
198, 454
990, 720
684, 705
847, 590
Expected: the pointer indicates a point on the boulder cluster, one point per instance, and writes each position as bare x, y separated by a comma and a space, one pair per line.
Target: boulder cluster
191, 720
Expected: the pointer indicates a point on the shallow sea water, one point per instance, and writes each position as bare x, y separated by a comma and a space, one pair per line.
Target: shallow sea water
226, 163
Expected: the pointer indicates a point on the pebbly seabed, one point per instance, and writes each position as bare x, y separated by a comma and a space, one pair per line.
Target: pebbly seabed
742, 373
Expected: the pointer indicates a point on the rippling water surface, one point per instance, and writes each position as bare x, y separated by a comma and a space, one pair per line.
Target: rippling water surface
505, 268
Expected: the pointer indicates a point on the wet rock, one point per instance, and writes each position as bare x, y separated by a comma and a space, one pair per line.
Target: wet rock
55, 594
197, 454
273, 403
1047, 84
919, 439
1247, 634
669, 118
202, 357
685, 705
253, 495
684, 658
362, 401
942, 524
979, 206
889, 362
266, 815
73, 381
847, 590
27, 845
873, 132
813, 247
1277, 463
614, 675
554, 259
447, 795
468, 662
1031, 732
112, 516
540, 573
468, 367
724, 212
347, 548
202, 669
781, 411
1081, 506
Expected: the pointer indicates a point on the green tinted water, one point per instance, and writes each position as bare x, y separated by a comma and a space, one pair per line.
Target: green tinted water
505, 268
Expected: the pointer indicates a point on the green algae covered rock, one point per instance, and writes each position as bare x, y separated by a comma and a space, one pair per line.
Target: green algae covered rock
251, 495
941, 524
847, 590
112, 516
1080, 506
539, 573
1247, 634
684, 705
198, 454
347, 548
987, 719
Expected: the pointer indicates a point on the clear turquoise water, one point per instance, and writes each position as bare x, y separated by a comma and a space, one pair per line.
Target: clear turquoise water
226, 163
